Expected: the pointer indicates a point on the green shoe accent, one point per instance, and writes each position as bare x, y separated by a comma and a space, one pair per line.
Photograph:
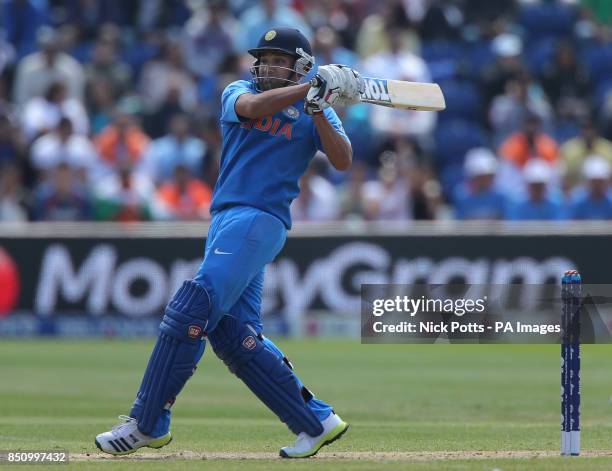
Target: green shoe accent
157, 443
326, 439
161, 441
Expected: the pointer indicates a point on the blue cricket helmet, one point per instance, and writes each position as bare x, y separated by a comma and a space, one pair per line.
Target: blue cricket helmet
283, 39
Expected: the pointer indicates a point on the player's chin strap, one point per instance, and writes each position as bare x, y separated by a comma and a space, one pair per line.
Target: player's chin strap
269, 377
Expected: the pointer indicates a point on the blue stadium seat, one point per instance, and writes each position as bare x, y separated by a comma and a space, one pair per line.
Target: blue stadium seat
433, 51
454, 138
443, 58
450, 178
602, 90
443, 70
549, 19
138, 55
565, 130
463, 101
480, 56
538, 54
598, 61
82, 51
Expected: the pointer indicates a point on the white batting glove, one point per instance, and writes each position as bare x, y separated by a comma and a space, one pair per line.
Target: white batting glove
313, 106
325, 88
351, 85
333, 84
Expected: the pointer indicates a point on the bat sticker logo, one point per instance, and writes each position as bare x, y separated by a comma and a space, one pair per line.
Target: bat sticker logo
376, 90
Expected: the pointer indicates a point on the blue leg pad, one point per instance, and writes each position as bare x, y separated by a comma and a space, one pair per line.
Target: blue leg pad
320, 408
179, 347
269, 377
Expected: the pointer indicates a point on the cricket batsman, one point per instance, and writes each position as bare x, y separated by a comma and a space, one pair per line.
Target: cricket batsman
272, 127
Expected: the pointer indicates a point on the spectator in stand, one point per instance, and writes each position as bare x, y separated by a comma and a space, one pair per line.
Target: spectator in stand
100, 104
427, 199
484, 13
62, 145
351, 202
575, 151
123, 196
343, 17
594, 200
209, 38
7, 61
327, 49
565, 80
5, 106
477, 197
61, 198
528, 143
106, 65
508, 65
598, 10
266, 15
133, 51
37, 71
41, 114
540, 204
317, 200
156, 122
168, 74
12, 145
208, 131
523, 97
389, 197
183, 198
12, 195
170, 14
91, 16
122, 142
442, 21
178, 147
373, 36
399, 64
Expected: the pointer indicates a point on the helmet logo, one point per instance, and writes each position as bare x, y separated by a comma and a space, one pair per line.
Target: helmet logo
270, 35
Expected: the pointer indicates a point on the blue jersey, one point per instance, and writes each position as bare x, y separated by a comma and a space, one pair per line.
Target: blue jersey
487, 204
526, 210
584, 206
263, 159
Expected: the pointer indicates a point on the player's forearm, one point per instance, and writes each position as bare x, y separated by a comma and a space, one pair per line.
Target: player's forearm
258, 105
336, 147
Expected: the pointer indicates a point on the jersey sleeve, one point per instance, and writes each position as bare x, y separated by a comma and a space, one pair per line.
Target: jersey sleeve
332, 117
229, 97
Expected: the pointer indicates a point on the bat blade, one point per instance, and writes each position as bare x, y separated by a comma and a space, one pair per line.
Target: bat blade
402, 94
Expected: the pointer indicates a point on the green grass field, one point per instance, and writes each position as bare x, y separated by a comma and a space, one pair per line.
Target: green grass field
427, 407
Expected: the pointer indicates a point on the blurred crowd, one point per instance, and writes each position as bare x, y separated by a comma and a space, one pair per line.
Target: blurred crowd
109, 109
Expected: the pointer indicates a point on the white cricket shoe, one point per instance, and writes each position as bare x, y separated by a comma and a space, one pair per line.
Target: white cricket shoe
305, 445
125, 438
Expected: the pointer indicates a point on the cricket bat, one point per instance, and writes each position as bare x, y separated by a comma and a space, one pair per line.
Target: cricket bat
404, 95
